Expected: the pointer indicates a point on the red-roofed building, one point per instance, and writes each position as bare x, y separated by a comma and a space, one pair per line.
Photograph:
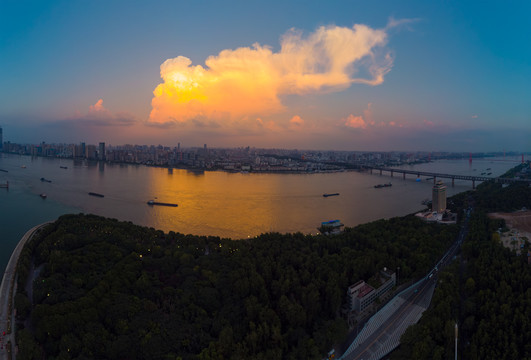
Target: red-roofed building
362, 294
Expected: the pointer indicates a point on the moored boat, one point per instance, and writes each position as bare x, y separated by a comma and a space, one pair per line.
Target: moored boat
43, 195
334, 194
96, 194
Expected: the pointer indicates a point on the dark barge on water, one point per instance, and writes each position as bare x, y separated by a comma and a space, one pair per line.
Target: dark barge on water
334, 194
96, 194
153, 202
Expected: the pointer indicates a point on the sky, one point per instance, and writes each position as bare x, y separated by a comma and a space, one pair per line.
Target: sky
336, 75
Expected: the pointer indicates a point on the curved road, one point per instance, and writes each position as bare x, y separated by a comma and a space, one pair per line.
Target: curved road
7, 292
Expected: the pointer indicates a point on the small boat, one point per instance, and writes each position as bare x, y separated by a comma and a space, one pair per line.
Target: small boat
382, 185
4, 170
43, 195
334, 194
152, 202
45, 180
489, 173
23, 166
96, 194
63, 167
488, 168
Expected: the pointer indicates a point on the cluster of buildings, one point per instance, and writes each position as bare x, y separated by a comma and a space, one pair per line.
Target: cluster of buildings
230, 159
438, 212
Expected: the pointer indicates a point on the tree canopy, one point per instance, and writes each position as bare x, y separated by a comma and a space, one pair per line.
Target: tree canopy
110, 289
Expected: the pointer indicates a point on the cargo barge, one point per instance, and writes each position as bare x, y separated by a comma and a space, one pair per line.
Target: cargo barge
152, 202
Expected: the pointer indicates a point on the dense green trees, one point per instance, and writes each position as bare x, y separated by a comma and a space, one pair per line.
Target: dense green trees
109, 289
487, 291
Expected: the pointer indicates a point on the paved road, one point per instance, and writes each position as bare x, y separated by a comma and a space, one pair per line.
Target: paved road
404, 311
7, 292
382, 333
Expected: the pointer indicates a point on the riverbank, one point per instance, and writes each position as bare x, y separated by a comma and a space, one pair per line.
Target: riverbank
8, 290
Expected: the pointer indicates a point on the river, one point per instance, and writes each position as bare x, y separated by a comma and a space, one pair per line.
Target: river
233, 205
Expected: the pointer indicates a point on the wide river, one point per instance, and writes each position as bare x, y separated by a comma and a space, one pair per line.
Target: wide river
233, 205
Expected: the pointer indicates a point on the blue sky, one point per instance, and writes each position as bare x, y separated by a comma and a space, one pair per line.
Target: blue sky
456, 74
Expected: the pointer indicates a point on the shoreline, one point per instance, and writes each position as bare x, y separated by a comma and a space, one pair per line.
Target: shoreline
7, 290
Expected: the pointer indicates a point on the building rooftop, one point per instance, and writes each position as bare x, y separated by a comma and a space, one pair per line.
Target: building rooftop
365, 289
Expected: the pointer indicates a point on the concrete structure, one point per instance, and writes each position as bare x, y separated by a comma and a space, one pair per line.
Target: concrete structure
438, 203
361, 294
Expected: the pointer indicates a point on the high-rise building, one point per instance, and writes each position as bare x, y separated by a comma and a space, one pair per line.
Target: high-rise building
1, 140
101, 151
438, 202
91, 152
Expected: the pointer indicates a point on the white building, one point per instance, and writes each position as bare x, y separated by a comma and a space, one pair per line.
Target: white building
361, 294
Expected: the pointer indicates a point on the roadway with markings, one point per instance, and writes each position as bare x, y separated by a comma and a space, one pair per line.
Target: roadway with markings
404, 310
381, 334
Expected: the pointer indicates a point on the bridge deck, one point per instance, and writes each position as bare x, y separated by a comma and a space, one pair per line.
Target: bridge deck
447, 176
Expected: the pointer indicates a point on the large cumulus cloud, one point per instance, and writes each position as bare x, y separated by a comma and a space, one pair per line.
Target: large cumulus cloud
250, 81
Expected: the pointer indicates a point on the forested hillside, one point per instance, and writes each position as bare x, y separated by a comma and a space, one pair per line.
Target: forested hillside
487, 291
110, 289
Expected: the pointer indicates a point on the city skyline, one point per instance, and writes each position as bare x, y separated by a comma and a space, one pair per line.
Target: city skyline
341, 76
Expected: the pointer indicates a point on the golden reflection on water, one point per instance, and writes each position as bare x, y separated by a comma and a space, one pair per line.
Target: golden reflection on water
226, 204
216, 203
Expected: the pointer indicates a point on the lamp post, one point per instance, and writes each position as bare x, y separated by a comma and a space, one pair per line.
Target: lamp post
456, 331
397, 275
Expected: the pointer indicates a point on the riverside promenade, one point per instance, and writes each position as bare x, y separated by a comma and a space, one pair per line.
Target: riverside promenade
7, 295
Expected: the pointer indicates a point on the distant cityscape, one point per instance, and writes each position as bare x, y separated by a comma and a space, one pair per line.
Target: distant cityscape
233, 159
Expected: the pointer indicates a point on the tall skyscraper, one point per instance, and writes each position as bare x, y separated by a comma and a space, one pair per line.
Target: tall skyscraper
438, 202
1, 140
101, 151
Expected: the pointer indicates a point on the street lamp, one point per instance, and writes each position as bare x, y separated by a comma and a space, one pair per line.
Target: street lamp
397, 275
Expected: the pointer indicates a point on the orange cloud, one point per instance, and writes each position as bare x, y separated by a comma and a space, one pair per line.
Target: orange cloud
268, 125
296, 121
356, 122
367, 121
251, 80
360, 122
97, 107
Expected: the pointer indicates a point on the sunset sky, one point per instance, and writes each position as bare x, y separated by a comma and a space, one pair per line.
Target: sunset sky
343, 75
